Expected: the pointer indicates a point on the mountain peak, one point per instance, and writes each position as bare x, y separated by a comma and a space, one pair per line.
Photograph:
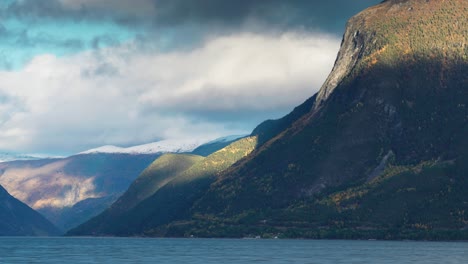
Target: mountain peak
399, 31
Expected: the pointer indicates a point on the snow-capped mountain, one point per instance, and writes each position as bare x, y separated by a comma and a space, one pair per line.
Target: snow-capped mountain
163, 146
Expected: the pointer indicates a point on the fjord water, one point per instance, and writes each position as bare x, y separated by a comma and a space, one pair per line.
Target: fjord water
206, 251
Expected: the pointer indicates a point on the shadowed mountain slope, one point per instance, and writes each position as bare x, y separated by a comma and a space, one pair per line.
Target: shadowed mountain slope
17, 219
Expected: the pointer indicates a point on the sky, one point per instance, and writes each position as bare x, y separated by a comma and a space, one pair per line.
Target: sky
78, 74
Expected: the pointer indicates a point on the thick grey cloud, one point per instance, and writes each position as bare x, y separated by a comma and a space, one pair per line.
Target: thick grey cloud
328, 15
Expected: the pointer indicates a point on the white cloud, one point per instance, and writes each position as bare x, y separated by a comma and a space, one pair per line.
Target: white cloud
123, 95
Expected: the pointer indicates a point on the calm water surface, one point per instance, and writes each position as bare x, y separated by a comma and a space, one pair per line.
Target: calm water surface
206, 251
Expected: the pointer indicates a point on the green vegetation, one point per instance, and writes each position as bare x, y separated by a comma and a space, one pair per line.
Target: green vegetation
413, 32
394, 206
211, 147
159, 173
177, 187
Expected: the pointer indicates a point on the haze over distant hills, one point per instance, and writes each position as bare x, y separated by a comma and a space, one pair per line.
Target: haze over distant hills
55, 186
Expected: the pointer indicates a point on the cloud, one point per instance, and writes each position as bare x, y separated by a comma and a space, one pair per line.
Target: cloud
81, 9
21, 40
84, 73
306, 14
125, 95
63, 27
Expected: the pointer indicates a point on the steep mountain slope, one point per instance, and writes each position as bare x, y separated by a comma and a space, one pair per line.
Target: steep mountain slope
271, 128
215, 145
54, 186
159, 173
171, 184
17, 219
380, 151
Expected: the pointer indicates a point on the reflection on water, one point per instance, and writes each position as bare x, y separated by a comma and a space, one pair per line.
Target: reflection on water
205, 251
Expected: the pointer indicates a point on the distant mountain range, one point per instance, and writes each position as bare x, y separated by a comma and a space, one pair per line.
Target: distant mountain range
71, 190
380, 152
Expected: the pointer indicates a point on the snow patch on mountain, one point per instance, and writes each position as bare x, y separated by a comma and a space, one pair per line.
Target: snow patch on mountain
163, 146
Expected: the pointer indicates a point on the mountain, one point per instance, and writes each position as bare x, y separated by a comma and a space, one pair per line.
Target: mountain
163, 146
69, 191
17, 219
164, 192
159, 173
379, 152
215, 145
